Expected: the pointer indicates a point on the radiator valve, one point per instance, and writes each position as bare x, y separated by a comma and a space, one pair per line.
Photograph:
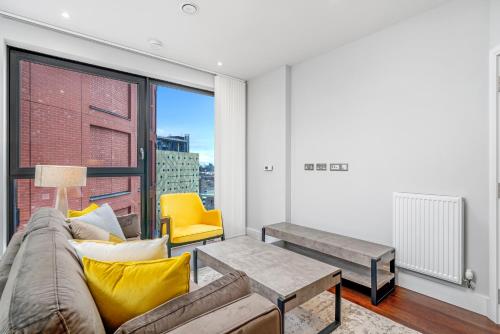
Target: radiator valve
469, 276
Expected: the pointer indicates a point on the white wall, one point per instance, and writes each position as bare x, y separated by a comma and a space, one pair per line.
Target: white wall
407, 109
494, 23
267, 144
15, 33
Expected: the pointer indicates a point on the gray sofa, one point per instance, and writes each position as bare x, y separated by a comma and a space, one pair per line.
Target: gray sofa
43, 290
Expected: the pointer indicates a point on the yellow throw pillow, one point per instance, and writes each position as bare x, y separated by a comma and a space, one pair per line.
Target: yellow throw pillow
140, 250
88, 209
124, 290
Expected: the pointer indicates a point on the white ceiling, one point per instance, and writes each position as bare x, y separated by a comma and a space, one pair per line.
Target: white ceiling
248, 36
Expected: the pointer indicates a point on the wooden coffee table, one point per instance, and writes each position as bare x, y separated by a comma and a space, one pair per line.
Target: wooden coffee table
284, 277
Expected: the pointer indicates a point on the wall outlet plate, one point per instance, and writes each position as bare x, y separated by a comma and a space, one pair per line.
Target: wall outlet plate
308, 166
334, 167
321, 166
339, 167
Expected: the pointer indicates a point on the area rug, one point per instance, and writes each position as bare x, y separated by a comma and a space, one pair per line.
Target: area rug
314, 315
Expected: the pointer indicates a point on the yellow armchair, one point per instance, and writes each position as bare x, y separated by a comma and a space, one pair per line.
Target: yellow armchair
185, 220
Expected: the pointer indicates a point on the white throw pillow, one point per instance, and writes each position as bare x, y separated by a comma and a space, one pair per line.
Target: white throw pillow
103, 217
141, 250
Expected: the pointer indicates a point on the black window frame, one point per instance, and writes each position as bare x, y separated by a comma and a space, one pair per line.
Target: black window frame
15, 171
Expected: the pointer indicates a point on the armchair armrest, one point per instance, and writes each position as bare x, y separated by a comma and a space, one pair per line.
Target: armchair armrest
165, 226
131, 226
213, 217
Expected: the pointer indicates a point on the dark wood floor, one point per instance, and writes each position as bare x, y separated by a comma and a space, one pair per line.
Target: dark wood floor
424, 314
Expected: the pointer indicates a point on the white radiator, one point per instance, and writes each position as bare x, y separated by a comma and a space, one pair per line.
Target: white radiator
428, 234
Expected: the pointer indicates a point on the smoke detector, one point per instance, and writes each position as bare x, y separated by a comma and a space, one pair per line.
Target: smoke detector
189, 8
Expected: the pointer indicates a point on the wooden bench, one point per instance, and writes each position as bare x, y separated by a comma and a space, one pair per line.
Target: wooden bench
362, 262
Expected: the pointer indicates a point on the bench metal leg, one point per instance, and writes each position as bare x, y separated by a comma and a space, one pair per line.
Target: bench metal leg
378, 295
195, 265
263, 237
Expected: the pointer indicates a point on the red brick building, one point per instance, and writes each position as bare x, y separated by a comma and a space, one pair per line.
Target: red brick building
73, 118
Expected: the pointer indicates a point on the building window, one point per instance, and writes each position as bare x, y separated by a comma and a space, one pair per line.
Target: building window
67, 113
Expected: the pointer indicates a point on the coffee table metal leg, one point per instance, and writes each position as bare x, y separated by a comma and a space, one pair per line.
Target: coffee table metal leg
338, 310
338, 303
281, 307
263, 237
195, 265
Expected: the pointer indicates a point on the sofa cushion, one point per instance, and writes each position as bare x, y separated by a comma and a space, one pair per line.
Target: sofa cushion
46, 290
8, 257
140, 250
78, 213
131, 226
184, 308
103, 217
252, 314
84, 231
125, 290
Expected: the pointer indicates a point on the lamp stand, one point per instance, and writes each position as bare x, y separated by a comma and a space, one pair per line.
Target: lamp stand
62, 200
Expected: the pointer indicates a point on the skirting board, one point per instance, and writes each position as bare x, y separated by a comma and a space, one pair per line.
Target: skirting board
446, 292
455, 295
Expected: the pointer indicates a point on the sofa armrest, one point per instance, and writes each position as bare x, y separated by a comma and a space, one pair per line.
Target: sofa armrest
252, 314
131, 226
182, 309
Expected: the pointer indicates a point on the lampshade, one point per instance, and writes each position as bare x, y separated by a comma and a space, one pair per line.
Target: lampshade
60, 176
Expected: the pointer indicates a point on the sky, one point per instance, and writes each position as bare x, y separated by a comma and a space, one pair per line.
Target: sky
180, 112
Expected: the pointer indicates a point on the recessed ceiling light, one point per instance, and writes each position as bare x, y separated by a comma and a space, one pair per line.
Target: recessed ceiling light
65, 15
219, 63
189, 8
155, 44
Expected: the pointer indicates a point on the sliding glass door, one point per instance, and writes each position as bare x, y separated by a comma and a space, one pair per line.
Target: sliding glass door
182, 132
67, 113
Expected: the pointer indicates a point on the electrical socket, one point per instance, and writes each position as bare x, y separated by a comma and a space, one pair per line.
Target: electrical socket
334, 167
339, 167
308, 166
321, 166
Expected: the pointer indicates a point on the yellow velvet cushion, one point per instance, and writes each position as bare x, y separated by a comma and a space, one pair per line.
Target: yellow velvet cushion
195, 232
124, 290
88, 209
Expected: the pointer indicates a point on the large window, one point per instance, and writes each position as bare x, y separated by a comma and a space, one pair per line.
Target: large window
184, 129
139, 138
67, 113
